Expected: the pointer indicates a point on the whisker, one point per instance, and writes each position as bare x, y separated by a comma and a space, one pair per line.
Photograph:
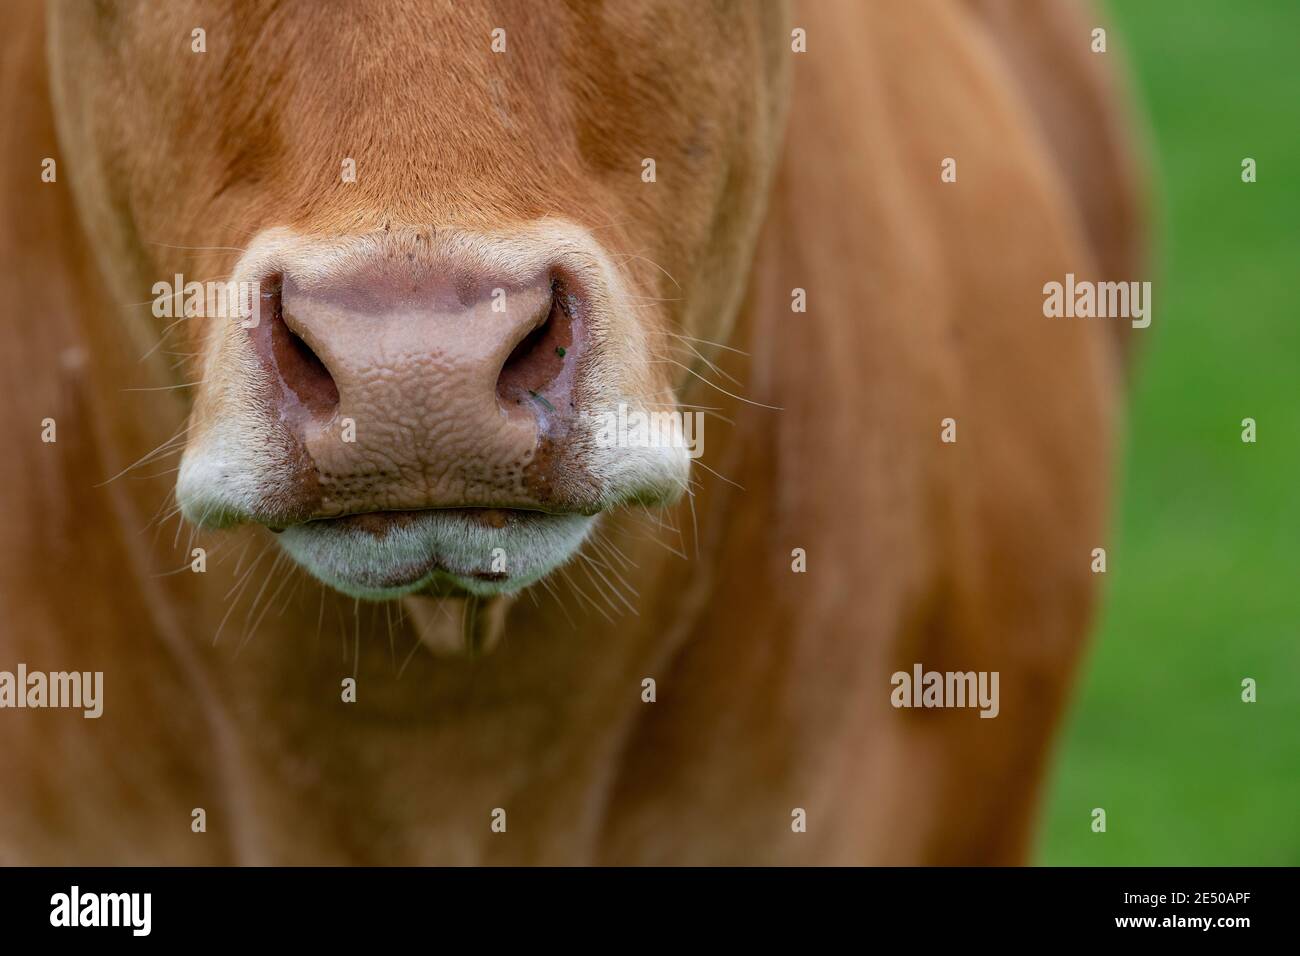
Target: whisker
239, 585
718, 475
166, 245
164, 388
713, 385
545, 582
618, 591
415, 646
716, 345
700, 355
632, 255
583, 594
161, 338
266, 581
167, 447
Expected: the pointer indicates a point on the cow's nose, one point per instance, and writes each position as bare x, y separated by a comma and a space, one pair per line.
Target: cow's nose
411, 390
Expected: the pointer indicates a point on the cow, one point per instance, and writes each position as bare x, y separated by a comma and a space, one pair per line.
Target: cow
364, 581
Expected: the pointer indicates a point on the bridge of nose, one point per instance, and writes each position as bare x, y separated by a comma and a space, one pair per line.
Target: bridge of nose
416, 369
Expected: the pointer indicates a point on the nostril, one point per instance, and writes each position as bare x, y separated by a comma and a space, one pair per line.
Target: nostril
540, 369
302, 374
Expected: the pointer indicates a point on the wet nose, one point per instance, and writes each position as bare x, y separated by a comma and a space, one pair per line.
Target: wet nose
410, 389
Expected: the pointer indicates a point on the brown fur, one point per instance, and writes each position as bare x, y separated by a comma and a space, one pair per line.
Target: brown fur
773, 688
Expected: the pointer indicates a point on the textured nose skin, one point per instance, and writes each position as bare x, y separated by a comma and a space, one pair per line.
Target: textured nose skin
416, 360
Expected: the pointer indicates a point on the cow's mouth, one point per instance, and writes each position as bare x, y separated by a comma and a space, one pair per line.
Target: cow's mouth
445, 552
482, 379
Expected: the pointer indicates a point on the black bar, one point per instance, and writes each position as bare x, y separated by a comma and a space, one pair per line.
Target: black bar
334, 906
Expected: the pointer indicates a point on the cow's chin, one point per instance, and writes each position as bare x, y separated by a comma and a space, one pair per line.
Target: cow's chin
386, 555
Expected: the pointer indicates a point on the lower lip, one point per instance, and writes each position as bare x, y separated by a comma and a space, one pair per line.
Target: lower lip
441, 580
380, 523
382, 555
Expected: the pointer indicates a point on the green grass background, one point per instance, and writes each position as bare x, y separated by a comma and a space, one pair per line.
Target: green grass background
1203, 586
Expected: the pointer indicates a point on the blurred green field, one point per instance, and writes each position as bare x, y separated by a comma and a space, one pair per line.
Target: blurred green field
1203, 586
